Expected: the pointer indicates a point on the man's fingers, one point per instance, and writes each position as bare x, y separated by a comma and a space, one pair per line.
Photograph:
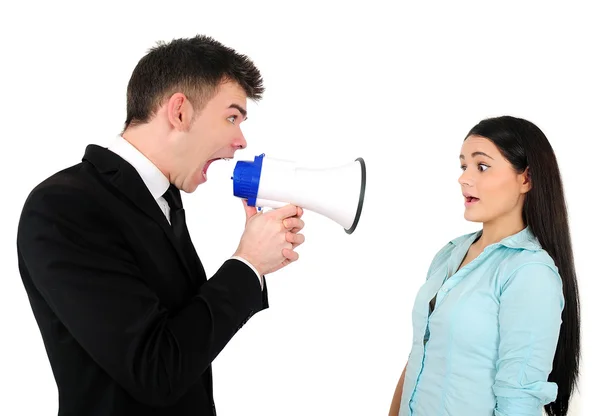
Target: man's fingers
293, 238
285, 212
293, 223
290, 255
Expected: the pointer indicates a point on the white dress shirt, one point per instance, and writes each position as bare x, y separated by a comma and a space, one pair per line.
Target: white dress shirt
156, 182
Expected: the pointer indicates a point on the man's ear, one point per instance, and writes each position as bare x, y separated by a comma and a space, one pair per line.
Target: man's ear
179, 112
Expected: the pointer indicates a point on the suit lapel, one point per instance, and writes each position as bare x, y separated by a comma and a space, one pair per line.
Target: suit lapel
119, 173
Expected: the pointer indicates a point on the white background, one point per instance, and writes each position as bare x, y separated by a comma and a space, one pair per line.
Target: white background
396, 83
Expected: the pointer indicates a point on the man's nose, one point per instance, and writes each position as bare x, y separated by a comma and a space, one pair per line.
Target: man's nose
240, 142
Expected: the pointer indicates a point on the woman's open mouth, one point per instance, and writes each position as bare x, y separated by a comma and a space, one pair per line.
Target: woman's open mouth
470, 200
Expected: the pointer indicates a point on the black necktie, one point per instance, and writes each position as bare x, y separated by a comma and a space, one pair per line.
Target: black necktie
173, 197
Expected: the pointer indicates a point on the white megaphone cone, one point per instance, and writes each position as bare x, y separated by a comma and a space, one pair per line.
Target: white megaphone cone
337, 193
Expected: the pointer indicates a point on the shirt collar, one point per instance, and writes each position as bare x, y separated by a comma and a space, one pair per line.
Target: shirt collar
524, 239
156, 182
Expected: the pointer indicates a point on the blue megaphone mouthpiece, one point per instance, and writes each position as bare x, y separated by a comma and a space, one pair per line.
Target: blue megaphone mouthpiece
246, 178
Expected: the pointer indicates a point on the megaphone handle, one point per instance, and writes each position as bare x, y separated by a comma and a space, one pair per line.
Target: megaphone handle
267, 203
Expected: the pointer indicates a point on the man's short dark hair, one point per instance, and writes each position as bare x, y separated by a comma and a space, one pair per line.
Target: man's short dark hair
193, 66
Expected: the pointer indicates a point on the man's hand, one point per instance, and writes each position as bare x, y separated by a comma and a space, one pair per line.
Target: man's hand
270, 238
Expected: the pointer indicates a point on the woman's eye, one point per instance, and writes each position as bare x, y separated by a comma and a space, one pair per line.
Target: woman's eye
463, 167
231, 119
483, 167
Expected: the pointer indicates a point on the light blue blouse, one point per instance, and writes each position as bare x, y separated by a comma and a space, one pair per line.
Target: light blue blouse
487, 348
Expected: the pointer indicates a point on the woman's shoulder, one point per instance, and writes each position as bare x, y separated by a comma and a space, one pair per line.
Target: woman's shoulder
524, 263
533, 267
524, 249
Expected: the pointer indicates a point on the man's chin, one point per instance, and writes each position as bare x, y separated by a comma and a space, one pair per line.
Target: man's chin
200, 179
192, 184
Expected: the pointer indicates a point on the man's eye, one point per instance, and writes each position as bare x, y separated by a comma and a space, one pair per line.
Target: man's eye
232, 119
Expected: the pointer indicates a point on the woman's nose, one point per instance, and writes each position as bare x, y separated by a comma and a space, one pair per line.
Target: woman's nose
465, 179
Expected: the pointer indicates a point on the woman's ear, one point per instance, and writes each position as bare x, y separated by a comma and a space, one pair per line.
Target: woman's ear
525, 180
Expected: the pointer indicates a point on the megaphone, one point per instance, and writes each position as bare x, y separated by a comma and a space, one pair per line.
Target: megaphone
337, 193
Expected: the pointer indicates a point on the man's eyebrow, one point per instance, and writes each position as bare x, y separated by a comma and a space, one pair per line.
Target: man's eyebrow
477, 154
239, 108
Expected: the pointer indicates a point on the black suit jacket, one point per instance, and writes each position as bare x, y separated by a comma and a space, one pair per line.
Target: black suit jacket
130, 324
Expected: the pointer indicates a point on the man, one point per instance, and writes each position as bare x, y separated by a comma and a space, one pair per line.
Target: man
129, 320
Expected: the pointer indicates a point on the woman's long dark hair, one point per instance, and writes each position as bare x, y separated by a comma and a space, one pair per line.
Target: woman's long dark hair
524, 145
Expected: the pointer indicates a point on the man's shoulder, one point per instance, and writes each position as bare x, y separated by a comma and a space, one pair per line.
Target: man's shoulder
74, 186
69, 179
83, 174
66, 176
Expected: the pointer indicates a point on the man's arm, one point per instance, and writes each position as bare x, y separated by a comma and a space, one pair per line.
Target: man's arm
92, 283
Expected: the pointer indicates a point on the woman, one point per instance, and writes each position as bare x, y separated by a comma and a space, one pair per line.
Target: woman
496, 323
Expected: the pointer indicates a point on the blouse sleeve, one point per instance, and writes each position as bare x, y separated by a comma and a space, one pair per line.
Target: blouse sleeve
531, 303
